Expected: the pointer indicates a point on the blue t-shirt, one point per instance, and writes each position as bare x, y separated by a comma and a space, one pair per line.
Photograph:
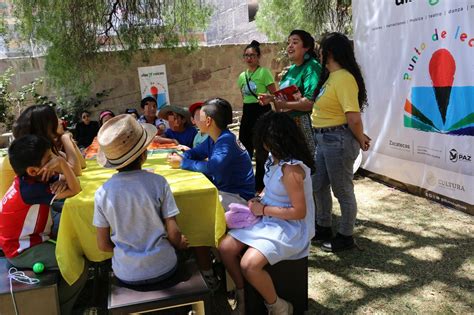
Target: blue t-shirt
228, 166
186, 137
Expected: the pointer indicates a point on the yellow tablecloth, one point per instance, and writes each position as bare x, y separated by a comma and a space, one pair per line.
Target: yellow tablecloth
6, 175
201, 216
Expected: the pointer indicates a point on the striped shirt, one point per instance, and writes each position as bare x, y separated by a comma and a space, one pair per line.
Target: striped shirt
25, 216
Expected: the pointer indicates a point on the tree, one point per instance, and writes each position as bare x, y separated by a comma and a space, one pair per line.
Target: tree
13, 102
77, 33
277, 18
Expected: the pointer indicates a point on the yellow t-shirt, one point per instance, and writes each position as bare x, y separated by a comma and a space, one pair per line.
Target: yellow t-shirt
337, 96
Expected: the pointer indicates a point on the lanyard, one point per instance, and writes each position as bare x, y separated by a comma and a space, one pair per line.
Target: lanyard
249, 77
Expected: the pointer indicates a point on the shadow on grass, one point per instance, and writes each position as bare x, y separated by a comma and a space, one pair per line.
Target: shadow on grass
409, 271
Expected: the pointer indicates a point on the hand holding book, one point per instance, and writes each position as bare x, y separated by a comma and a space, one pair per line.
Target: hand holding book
289, 94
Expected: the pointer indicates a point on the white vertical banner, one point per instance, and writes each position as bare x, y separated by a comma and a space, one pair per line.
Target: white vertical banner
153, 82
417, 60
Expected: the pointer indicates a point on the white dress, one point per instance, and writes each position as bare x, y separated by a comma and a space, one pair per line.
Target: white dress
275, 238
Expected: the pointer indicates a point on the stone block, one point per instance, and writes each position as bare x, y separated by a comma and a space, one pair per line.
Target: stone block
201, 75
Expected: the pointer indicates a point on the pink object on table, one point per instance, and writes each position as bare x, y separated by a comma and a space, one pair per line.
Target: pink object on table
239, 216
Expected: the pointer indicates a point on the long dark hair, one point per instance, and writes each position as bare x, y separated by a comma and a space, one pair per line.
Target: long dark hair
308, 42
40, 120
342, 52
279, 134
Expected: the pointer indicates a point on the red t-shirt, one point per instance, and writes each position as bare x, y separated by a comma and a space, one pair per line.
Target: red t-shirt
25, 216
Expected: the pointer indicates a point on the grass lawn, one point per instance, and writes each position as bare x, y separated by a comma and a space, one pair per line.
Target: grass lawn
415, 256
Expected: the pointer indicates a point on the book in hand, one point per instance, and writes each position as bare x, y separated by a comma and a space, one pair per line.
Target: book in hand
288, 93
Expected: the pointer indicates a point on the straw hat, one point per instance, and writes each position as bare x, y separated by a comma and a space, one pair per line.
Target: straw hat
175, 109
122, 139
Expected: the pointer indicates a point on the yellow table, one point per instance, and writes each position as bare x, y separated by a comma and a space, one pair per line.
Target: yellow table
201, 216
6, 175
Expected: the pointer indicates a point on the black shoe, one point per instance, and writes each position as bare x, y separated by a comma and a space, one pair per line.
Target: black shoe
323, 234
338, 243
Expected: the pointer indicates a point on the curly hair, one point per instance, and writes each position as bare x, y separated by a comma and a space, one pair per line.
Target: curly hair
340, 47
278, 134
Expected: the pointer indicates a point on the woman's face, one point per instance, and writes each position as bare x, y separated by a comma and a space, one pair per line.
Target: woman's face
251, 58
295, 48
85, 118
60, 130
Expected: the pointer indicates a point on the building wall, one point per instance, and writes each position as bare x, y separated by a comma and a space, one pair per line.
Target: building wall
230, 23
199, 75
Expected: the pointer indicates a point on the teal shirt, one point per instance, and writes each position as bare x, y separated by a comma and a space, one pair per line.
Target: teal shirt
199, 138
305, 77
258, 82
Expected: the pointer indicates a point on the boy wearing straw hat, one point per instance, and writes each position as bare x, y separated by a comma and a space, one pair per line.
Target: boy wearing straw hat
143, 245
181, 127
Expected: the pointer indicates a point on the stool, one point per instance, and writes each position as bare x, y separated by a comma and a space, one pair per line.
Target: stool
185, 287
290, 278
40, 298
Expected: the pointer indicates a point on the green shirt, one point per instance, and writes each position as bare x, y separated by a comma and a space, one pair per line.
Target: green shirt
258, 82
305, 77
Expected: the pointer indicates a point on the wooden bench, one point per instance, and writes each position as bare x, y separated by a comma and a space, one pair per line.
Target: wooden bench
185, 287
38, 299
290, 278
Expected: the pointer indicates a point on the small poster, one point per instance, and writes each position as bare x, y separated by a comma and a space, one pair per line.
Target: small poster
153, 82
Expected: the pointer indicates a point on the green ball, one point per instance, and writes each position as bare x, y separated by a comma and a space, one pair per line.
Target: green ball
38, 267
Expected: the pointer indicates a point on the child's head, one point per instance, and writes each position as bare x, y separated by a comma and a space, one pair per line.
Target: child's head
278, 134
149, 106
105, 116
177, 116
122, 140
195, 111
219, 110
133, 112
28, 154
38, 120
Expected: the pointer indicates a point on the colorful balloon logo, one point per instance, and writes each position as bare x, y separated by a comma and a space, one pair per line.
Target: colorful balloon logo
442, 107
442, 68
154, 92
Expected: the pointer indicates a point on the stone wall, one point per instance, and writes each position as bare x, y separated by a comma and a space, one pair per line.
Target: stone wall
230, 23
199, 75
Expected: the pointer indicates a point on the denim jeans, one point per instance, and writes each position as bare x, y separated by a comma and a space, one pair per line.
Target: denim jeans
335, 154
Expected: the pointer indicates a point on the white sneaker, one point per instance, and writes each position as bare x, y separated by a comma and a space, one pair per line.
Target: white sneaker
240, 303
280, 307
